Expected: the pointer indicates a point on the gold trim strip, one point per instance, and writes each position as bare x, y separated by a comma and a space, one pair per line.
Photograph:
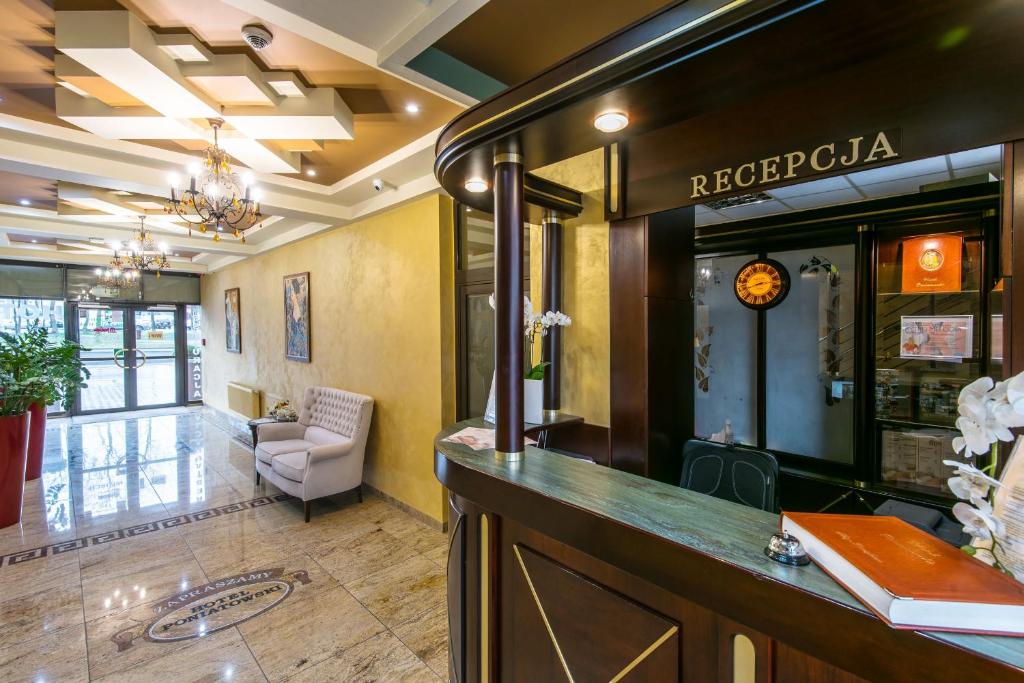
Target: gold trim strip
508, 158
611, 62
550, 217
645, 654
543, 615
502, 456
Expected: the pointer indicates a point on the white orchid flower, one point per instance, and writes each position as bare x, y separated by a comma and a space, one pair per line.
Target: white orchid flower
976, 390
974, 438
970, 483
1015, 389
978, 523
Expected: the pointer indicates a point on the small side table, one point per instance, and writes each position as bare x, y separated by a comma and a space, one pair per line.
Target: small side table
254, 426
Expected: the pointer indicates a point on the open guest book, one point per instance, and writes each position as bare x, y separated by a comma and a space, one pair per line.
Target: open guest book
907, 577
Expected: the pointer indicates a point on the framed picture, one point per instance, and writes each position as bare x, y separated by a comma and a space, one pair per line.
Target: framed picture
233, 320
296, 317
937, 337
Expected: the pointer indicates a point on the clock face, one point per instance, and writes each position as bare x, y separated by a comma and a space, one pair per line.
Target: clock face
762, 283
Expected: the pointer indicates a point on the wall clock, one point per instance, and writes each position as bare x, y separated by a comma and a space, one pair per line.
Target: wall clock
761, 284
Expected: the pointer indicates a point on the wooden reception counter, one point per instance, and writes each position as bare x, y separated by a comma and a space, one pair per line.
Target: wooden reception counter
560, 569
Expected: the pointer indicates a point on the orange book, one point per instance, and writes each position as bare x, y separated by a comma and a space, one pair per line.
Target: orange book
932, 264
909, 578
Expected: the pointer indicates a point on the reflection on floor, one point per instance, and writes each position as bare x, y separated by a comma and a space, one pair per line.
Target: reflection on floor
147, 553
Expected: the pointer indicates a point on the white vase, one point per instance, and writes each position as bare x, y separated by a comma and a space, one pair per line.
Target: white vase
533, 400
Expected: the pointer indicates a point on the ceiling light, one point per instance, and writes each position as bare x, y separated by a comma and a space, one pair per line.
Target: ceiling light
216, 196
611, 121
476, 185
311, 172
25, 202
35, 241
412, 108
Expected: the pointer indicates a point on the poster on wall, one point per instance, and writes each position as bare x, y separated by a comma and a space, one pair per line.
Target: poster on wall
937, 337
232, 320
296, 317
932, 264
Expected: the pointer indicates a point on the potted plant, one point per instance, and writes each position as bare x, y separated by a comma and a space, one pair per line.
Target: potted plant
533, 375
57, 373
15, 398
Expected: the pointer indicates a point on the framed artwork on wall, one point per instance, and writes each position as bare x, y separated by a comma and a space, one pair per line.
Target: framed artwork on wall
297, 317
233, 320
937, 337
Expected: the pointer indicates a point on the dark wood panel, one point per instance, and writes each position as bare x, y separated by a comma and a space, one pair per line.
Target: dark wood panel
793, 666
585, 439
1013, 294
628, 386
575, 613
456, 569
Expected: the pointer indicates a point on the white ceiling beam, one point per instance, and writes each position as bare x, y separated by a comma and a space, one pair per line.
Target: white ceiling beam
53, 226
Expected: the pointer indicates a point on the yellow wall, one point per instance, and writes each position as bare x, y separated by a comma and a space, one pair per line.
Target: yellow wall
382, 324
586, 350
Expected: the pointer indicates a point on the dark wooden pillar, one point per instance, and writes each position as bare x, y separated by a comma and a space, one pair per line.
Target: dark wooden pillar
551, 279
508, 300
1011, 257
650, 291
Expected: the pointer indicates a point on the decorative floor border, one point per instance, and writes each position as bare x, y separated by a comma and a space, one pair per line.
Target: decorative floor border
138, 530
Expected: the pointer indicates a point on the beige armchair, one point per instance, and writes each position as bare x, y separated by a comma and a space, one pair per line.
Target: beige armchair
322, 453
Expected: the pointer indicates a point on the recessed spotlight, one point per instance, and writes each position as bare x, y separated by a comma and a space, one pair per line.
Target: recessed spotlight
311, 172
476, 185
35, 241
412, 108
25, 202
611, 121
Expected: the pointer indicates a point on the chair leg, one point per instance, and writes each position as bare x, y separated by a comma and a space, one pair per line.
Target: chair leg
257, 477
307, 504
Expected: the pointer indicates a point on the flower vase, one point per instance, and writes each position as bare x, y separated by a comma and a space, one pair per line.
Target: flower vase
533, 400
13, 458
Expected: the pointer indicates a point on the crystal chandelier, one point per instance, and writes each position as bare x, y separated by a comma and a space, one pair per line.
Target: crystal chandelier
140, 253
116, 278
216, 198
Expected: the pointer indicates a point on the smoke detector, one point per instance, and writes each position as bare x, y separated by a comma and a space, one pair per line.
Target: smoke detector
257, 36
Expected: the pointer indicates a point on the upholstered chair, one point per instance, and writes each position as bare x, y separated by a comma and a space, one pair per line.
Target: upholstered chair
322, 453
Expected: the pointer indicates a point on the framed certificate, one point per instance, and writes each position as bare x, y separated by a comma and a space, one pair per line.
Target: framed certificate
937, 337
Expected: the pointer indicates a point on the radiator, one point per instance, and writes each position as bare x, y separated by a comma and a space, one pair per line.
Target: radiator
244, 400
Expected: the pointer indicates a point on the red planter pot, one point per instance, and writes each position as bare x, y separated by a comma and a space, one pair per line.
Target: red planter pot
13, 458
36, 441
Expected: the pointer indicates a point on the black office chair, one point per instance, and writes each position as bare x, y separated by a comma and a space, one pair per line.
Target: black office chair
743, 475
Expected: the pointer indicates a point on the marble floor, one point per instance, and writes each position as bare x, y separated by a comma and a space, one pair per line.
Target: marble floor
147, 553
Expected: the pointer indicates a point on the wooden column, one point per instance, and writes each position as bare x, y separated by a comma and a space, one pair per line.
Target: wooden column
1011, 257
508, 300
551, 279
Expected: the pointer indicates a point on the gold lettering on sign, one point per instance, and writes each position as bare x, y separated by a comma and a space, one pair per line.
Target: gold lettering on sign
770, 169
740, 182
798, 163
854, 152
722, 183
793, 161
699, 181
882, 147
816, 164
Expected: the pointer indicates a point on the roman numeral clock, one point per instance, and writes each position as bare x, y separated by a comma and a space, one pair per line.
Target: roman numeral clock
761, 284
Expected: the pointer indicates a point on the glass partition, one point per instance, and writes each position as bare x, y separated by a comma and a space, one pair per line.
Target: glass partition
725, 352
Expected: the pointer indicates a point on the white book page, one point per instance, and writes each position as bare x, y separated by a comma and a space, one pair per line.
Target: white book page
1009, 507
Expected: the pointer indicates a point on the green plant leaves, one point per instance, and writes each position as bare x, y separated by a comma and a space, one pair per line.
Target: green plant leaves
537, 371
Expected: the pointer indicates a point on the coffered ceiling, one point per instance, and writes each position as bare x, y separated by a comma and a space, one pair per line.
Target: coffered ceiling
101, 100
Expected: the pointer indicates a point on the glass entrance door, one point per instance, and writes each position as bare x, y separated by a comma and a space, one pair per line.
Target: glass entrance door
156, 357
132, 356
101, 330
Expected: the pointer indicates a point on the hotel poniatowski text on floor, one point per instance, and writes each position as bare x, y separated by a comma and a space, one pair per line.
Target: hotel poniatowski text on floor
561, 569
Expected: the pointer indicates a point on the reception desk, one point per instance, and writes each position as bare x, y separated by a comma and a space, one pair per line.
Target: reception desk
562, 570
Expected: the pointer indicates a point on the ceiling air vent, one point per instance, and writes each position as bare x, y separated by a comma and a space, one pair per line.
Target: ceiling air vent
256, 36
738, 200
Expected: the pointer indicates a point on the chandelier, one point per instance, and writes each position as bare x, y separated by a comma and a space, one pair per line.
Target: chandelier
141, 253
116, 278
217, 198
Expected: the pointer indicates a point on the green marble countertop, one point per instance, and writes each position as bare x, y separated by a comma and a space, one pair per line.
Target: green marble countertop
732, 533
